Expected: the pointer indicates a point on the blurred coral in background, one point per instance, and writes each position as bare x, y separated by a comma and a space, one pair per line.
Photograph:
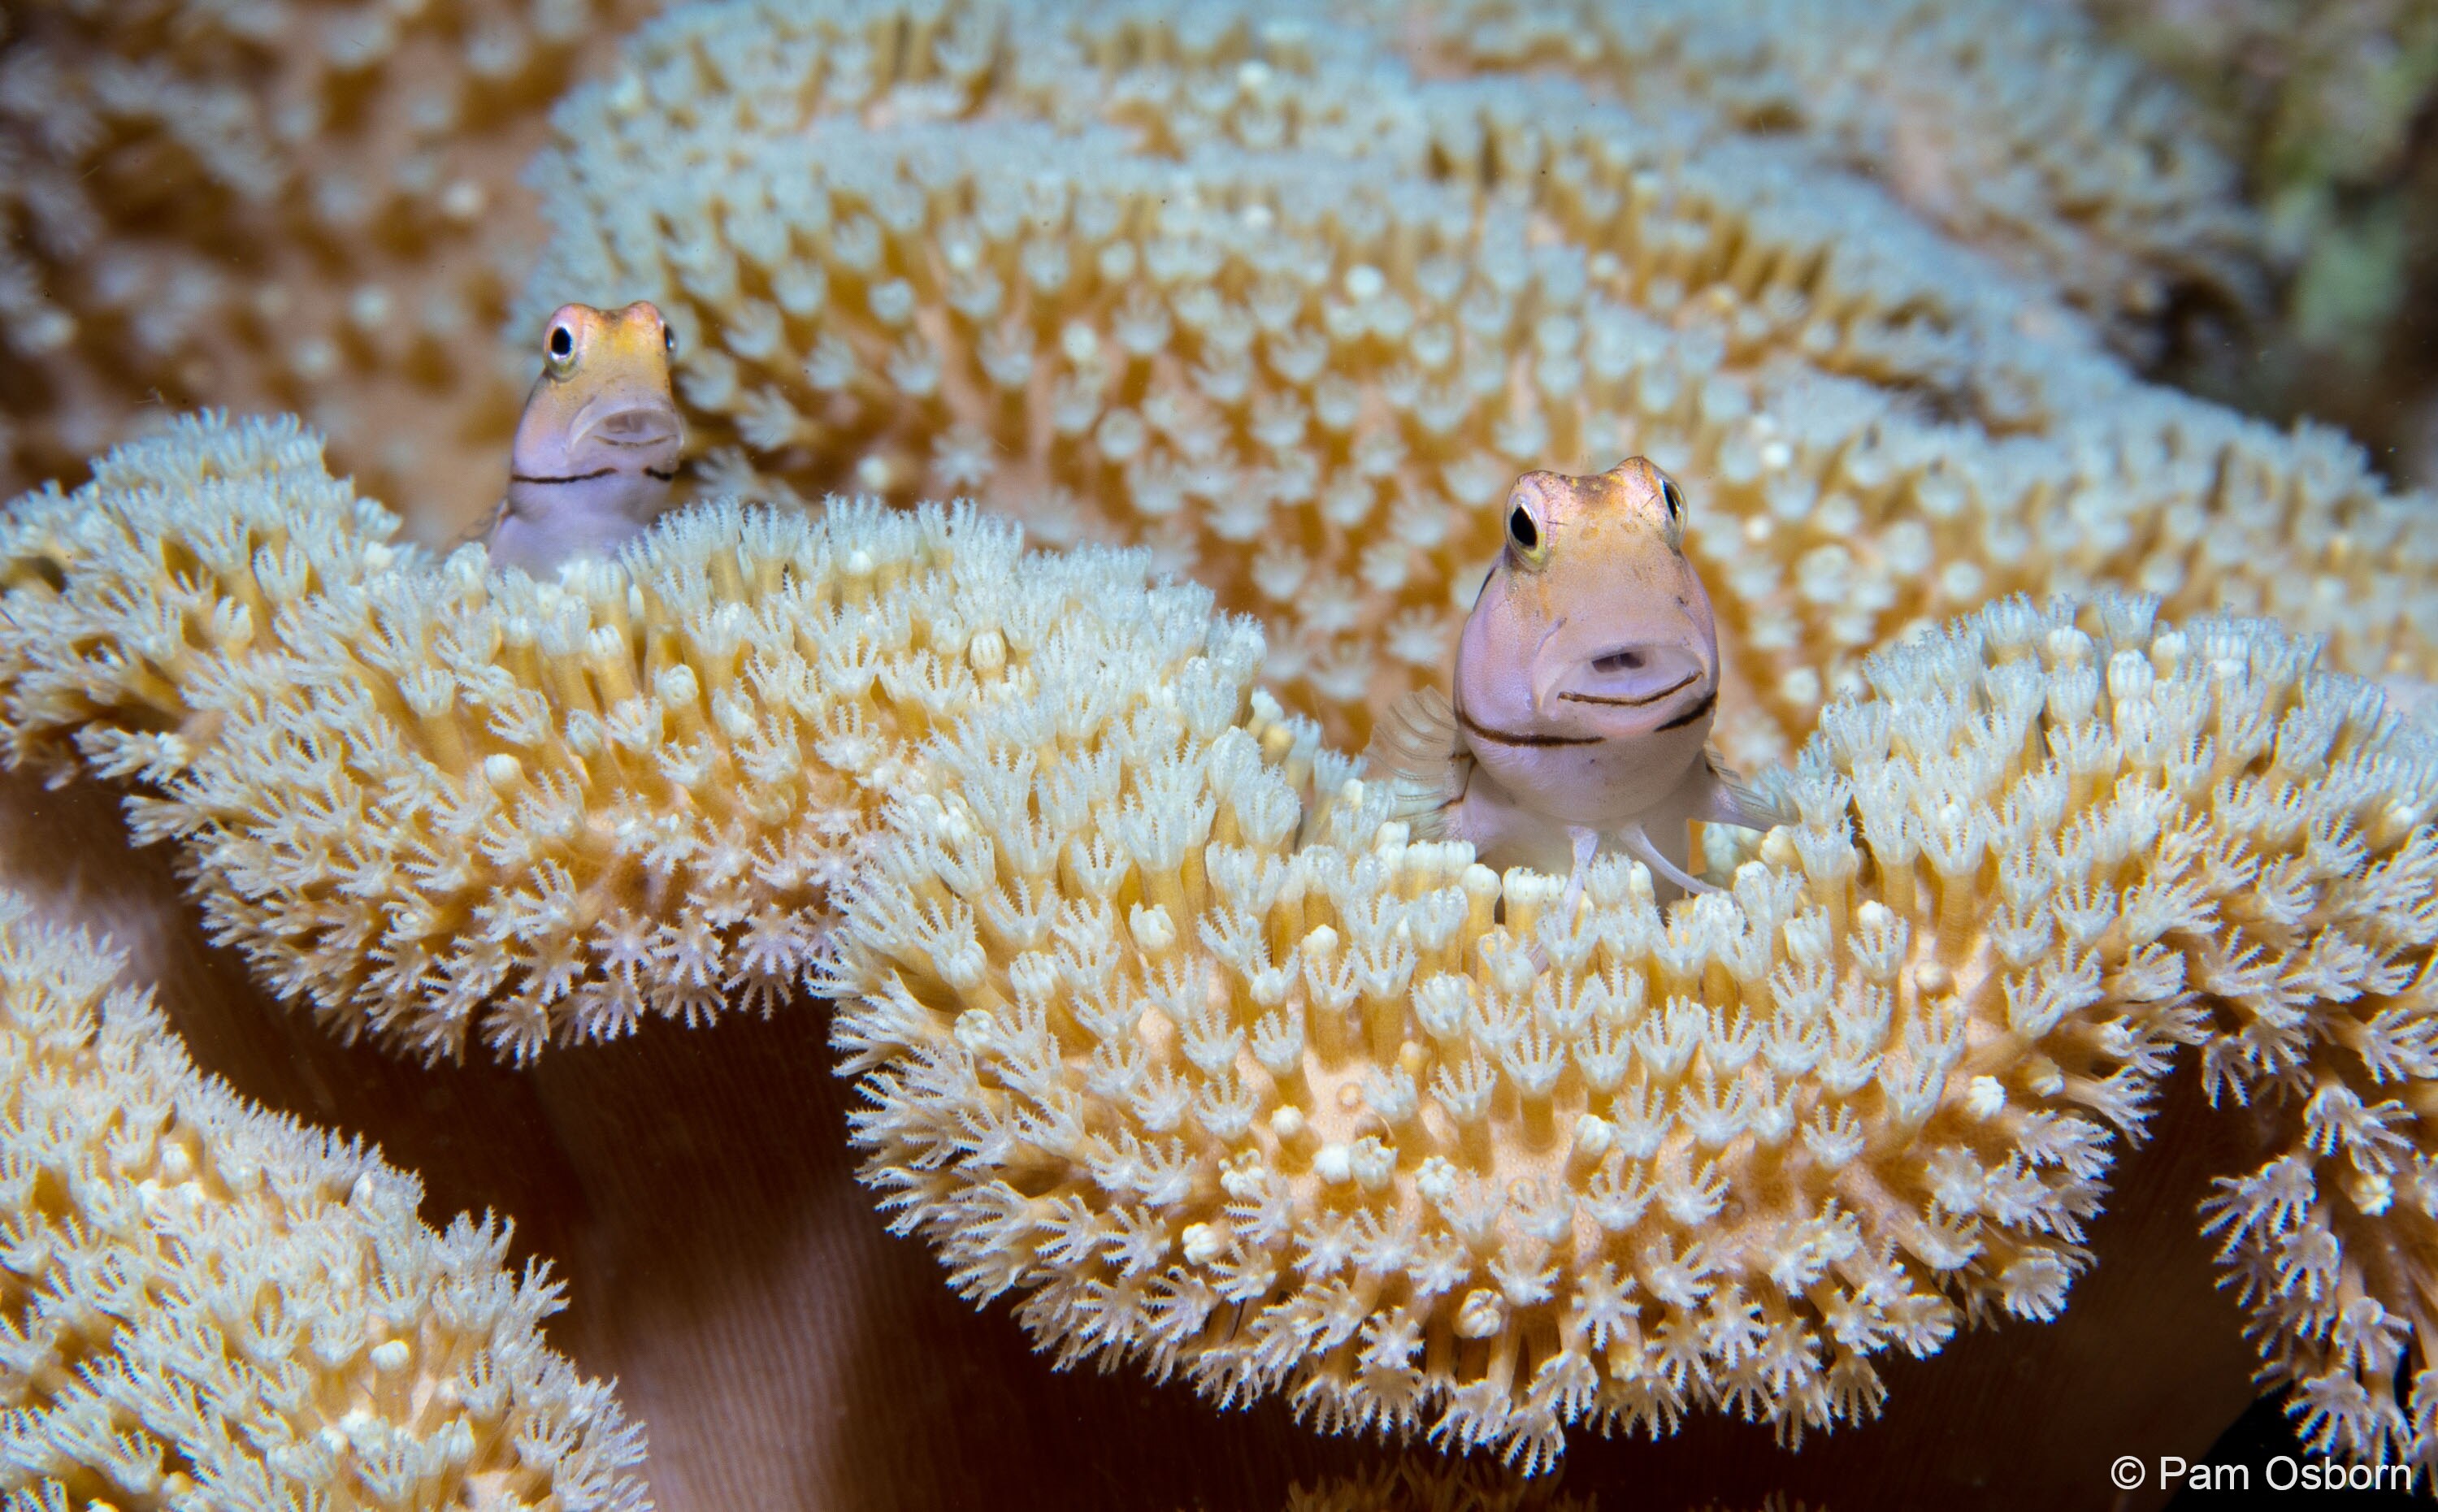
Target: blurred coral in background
280, 204
2330, 108
315, 206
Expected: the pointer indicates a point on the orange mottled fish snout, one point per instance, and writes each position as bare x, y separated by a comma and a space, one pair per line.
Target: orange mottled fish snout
599, 442
604, 396
1593, 625
1628, 509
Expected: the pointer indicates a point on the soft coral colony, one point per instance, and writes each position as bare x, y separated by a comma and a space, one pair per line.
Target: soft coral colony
1277, 1100
1257, 294
435, 801
1165, 1024
204, 1305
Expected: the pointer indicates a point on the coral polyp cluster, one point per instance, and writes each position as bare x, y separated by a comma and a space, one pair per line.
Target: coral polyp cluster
1166, 1024
1165, 1029
2013, 129
1256, 293
436, 801
204, 1305
1257, 1091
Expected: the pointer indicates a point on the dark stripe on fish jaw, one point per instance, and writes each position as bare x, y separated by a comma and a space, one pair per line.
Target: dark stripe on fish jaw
1503, 737
579, 477
1708, 702
1690, 679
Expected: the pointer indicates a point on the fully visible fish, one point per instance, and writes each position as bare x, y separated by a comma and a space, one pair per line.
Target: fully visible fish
599, 444
1586, 680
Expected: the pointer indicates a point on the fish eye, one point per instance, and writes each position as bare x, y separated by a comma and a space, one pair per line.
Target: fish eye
562, 341
1521, 529
669, 339
1674, 501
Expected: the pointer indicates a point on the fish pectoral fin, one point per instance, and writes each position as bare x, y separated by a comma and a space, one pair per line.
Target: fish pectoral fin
1586, 843
1639, 844
1730, 799
1419, 750
1418, 734
482, 529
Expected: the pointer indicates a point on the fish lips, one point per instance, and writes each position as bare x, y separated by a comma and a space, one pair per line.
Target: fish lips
1627, 686
627, 426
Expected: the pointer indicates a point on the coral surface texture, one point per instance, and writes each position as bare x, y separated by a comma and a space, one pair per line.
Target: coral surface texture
2098, 713
1272, 299
202, 1305
1258, 1091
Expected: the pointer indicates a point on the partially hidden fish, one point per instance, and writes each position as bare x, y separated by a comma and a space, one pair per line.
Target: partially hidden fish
599, 444
1586, 681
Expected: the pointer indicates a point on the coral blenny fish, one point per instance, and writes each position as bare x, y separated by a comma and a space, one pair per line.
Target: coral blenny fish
599, 441
1586, 680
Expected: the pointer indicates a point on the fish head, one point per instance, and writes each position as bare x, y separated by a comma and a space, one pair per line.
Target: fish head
603, 399
1588, 671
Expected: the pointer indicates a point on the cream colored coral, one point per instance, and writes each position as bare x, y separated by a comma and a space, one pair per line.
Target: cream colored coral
437, 802
2014, 129
292, 203
1100, 844
434, 801
1259, 1092
205, 1305
1247, 289
412, 823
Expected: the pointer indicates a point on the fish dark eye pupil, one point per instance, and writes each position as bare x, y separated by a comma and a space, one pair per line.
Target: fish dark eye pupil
669, 339
1675, 502
561, 341
1519, 525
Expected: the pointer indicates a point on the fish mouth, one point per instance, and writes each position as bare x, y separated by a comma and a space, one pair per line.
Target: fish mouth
1632, 701
630, 425
1633, 675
